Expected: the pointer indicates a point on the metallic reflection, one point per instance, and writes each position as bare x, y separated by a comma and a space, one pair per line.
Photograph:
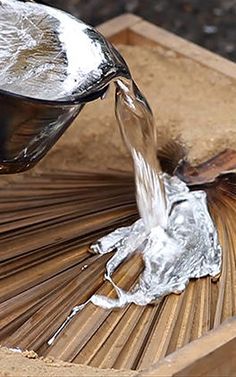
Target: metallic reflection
51, 64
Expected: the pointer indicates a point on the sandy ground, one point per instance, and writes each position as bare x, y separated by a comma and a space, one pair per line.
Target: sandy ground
29, 365
189, 102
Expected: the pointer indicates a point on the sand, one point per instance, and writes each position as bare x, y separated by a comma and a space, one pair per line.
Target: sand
28, 364
189, 102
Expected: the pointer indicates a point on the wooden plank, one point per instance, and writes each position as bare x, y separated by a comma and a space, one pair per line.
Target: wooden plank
146, 34
212, 355
116, 30
133, 30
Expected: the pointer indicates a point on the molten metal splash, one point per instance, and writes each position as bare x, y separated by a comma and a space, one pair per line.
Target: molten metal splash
187, 248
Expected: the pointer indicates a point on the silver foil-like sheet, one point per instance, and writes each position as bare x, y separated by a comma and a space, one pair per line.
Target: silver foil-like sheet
187, 248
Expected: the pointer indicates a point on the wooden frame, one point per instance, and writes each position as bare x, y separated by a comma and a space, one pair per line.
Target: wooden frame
133, 30
214, 354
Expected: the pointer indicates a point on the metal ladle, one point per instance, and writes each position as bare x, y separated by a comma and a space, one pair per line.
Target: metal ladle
51, 64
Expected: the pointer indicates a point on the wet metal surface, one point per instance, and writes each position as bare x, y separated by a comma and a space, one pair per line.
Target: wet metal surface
46, 76
40, 57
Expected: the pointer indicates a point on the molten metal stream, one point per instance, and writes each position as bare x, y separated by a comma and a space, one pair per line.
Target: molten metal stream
175, 234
